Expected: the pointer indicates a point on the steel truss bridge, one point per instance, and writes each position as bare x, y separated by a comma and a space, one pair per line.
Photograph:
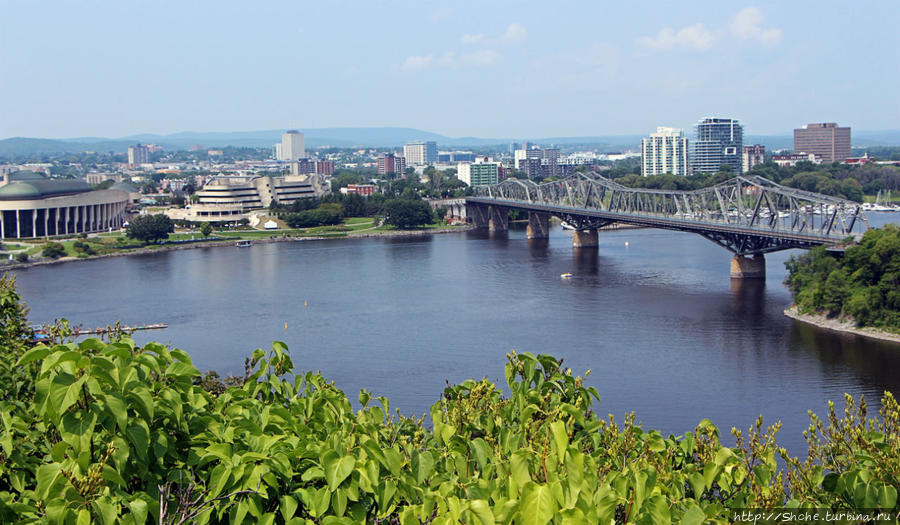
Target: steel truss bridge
746, 215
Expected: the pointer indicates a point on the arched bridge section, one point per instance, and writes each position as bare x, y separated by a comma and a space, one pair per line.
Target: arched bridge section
749, 216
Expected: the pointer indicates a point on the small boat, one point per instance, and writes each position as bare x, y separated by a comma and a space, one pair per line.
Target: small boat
244, 243
565, 276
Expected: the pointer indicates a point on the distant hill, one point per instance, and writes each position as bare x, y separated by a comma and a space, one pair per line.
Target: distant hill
370, 137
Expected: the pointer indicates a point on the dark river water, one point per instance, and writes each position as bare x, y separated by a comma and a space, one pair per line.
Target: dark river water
654, 315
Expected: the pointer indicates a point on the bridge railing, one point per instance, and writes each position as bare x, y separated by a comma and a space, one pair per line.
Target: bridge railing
753, 203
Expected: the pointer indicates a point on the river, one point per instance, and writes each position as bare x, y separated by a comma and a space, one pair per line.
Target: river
654, 315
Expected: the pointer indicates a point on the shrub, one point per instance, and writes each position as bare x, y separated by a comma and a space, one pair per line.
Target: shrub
53, 250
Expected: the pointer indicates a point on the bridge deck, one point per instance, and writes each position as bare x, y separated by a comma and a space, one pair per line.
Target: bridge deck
664, 221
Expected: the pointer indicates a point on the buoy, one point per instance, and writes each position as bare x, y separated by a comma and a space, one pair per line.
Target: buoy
285, 327
305, 304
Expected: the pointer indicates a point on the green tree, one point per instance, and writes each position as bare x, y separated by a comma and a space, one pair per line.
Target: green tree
408, 213
206, 229
150, 228
53, 250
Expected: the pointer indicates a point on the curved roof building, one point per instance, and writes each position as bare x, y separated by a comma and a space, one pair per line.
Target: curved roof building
32, 205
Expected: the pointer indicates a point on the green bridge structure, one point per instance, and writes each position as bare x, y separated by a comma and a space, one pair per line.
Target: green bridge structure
749, 216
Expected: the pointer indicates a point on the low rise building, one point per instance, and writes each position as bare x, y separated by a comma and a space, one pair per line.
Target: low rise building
791, 159
359, 189
32, 205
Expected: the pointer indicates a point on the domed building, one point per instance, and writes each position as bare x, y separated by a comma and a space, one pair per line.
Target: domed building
32, 205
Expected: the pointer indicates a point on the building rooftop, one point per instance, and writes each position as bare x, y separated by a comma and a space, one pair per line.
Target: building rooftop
28, 185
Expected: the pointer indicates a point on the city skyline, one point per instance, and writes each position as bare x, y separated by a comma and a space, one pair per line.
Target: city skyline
583, 70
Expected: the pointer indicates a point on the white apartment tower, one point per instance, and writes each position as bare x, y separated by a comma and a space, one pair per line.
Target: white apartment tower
665, 151
292, 146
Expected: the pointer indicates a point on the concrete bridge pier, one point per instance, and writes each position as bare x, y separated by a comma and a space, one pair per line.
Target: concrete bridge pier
480, 215
499, 221
748, 268
585, 239
538, 226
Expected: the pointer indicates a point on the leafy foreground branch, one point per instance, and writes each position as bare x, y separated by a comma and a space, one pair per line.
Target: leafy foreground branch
115, 433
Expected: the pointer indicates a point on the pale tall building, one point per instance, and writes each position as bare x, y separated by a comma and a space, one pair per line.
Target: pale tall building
827, 140
292, 146
138, 154
665, 151
753, 155
420, 153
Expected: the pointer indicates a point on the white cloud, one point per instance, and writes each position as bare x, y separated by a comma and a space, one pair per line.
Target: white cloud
440, 14
482, 58
696, 37
514, 33
746, 25
413, 63
472, 39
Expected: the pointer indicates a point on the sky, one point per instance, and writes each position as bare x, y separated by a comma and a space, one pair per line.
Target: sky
485, 68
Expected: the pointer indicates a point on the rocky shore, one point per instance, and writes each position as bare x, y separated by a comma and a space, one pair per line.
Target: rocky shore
840, 325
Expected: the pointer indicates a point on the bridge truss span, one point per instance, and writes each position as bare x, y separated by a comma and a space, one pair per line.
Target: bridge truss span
746, 215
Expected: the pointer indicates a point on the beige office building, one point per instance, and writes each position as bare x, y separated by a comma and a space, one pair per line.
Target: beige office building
293, 147
32, 205
826, 140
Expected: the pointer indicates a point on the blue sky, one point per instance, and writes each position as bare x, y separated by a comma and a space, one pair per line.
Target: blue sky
486, 69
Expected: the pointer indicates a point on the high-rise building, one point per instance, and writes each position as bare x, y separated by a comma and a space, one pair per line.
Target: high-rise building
390, 163
827, 140
292, 146
481, 172
753, 155
719, 142
420, 153
665, 151
139, 154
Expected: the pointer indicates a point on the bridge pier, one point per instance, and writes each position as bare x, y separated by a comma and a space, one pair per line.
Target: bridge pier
748, 268
538, 226
585, 238
499, 221
481, 216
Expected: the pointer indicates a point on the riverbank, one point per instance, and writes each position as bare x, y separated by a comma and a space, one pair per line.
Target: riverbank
840, 325
230, 242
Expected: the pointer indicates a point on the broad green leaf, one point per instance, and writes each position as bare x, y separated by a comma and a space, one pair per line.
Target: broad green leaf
179, 368
336, 468
482, 511
34, 354
422, 465
139, 436
287, 506
518, 466
693, 515
560, 439
538, 504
